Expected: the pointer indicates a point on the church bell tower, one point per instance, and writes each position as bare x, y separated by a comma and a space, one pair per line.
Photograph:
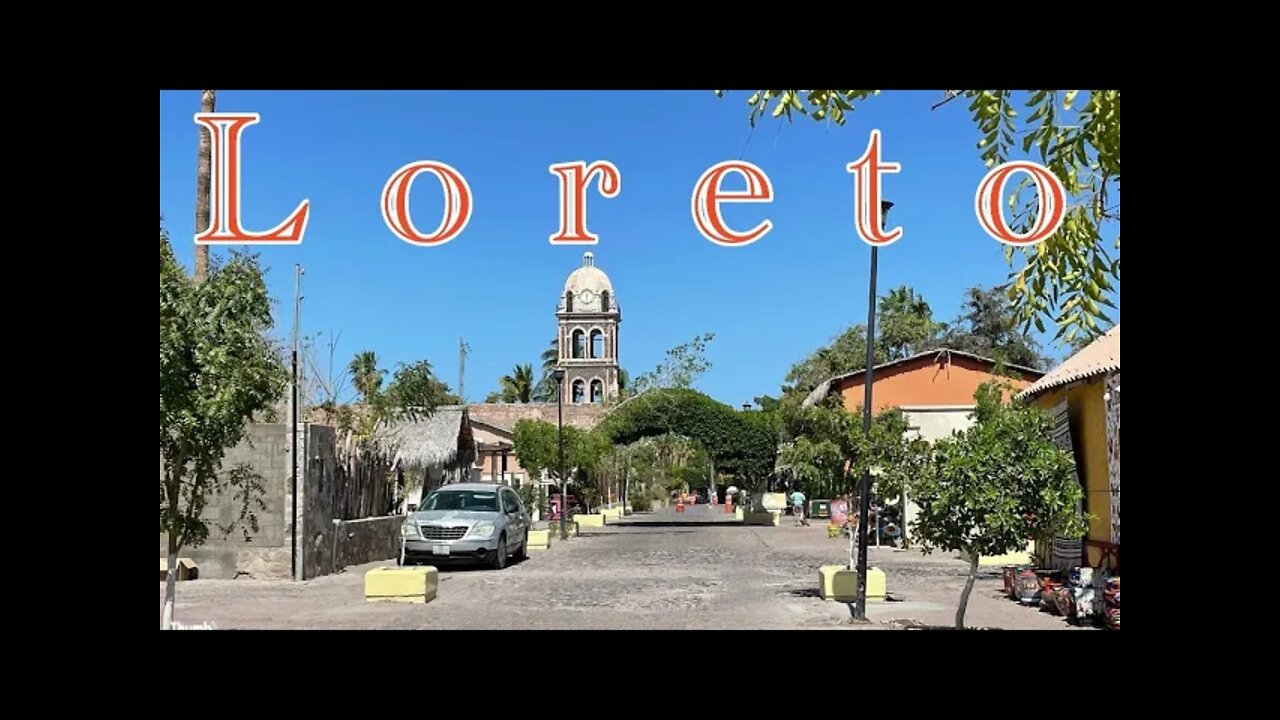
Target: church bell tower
588, 318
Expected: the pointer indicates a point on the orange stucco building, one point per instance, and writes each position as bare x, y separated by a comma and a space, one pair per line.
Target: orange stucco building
937, 379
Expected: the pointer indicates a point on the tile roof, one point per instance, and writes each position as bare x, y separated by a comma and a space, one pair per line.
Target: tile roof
1099, 357
824, 388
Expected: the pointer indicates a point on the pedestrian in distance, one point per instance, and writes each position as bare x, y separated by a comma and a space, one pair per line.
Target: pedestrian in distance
797, 507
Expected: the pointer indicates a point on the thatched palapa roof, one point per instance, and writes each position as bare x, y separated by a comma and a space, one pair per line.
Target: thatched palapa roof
442, 438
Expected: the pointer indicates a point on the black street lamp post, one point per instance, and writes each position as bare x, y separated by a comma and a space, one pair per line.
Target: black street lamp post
864, 491
564, 485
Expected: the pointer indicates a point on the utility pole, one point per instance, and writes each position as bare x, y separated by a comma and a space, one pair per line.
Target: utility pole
293, 418
462, 369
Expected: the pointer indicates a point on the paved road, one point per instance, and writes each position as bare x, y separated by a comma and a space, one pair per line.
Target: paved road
653, 571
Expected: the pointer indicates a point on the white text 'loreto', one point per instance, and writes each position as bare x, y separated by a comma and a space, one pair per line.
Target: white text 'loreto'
575, 178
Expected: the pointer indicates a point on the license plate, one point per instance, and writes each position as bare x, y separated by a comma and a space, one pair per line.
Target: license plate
440, 550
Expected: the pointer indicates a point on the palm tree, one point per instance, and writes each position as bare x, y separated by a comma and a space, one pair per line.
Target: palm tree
204, 165
365, 374
551, 357
545, 390
519, 384
907, 325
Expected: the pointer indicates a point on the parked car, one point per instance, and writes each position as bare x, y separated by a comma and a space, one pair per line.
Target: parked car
482, 523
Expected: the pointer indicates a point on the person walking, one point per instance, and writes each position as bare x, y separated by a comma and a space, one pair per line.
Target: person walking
797, 506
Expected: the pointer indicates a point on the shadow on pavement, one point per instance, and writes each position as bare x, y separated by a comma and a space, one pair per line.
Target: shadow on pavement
678, 523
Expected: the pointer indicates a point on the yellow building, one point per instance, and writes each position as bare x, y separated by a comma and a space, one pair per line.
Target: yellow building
1084, 393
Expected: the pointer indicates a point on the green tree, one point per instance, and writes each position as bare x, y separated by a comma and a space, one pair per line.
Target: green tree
681, 367
988, 327
742, 444
218, 369
366, 375
1066, 278
536, 444
846, 353
415, 388
993, 487
827, 450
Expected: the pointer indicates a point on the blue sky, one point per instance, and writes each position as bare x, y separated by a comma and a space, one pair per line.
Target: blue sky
497, 284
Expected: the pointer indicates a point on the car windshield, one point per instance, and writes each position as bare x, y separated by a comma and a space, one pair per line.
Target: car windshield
473, 500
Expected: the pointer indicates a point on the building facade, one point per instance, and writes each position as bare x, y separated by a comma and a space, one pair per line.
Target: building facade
588, 316
1084, 391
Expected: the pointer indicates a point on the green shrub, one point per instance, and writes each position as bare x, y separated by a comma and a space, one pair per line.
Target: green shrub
531, 496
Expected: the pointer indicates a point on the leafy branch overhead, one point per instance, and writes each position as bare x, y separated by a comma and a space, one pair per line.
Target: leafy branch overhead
681, 367
1076, 134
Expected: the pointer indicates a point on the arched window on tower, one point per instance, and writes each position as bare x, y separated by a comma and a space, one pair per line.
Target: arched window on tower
597, 344
568, 301
597, 391
579, 344
578, 391
604, 301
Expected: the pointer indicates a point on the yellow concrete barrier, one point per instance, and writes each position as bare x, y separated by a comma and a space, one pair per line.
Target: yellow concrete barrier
539, 539
762, 518
611, 513
626, 511
592, 520
774, 502
1013, 558
401, 584
738, 513
836, 582
187, 569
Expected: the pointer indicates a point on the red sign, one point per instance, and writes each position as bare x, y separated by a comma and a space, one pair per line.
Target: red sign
839, 512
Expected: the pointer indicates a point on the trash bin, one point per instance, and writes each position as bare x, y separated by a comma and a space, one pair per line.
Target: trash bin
820, 509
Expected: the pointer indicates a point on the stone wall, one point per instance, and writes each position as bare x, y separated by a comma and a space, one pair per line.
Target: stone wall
504, 416
367, 540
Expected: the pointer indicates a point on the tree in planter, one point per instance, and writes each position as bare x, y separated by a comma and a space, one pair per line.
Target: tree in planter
218, 369
993, 487
532, 497
536, 444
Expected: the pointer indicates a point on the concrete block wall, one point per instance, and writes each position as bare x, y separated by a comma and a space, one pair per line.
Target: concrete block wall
266, 449
267, 554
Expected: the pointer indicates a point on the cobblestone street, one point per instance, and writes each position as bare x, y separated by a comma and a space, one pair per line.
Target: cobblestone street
654, 571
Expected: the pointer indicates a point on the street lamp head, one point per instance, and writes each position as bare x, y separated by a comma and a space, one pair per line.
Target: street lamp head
558, 374
746, 406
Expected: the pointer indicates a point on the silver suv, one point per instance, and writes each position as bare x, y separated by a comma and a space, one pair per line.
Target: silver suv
467, 523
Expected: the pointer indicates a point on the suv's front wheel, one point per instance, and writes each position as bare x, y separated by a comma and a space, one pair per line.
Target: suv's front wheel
499, 560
